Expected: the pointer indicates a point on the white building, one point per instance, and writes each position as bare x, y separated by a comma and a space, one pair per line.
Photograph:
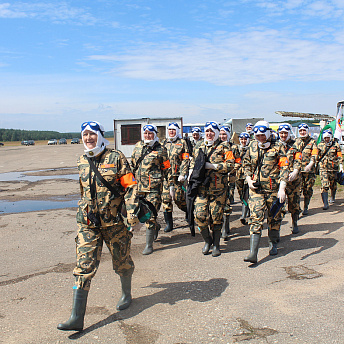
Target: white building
127, 132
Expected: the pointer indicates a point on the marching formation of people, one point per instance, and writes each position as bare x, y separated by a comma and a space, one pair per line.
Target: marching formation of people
270, 171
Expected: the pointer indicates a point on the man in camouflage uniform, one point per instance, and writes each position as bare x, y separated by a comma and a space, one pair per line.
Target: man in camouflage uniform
308, 148
266, 169
150, 165
174, 188
211, 197
99, 220
241, 184
225, 137
293, 189
330, 161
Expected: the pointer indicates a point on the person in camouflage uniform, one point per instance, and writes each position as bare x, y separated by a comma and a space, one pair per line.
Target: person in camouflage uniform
330, 161
99, 220
293, 189
150, 166
211, 196
266, 169
249, 130
174, 187
308, 148
225, 137
196, 136
241, 184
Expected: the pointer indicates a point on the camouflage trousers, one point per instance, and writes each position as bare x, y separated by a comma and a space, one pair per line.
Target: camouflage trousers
232, 179
227, 210
293, 192
328, 180
179, 198
209, 211
89, 244
240, 187
307, 183
155, 199
259, 204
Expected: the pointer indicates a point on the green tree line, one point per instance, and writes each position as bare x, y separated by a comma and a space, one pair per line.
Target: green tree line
21, 135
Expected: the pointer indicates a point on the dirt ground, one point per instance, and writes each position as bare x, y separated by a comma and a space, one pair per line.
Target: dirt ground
180, 296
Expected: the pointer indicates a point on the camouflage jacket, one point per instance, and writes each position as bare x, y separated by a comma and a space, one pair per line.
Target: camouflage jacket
293, 154
239, 170
178, 155
221, 155
332, 159
309, 151
115, 169
235, 150
152, 169
273, 162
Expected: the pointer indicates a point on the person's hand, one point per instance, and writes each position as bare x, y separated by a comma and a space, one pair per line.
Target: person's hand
341, 170
172, 192
281, 191
293, 175
250, 183
309, 166
181, 178
210, 166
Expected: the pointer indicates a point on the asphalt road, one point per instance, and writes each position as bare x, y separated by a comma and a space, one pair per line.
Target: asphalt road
180, 296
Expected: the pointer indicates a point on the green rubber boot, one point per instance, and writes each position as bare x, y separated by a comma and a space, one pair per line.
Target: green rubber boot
125, 300
226, 228
274, 238
150, 235
169, 221
216, 243
324, 197
208, 241
305, 206
76, 320
295, 227
254, 246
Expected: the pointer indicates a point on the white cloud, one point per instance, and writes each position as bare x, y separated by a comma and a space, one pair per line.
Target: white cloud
55, 12
233, 59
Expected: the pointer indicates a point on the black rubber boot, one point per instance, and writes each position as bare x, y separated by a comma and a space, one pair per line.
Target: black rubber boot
125, 300
169, 221
208, 241
333, 196
216, 243
295, 227
254, 246
244, 214
156, 232
305, 207
76, 320
150, 235
226, 228
274, 238
324, 197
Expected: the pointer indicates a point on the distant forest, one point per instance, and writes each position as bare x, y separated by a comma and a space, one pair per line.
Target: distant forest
21, 135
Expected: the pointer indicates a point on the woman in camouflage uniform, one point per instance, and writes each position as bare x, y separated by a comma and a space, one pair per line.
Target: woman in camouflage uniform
225, 137
241, 184
266, 169
294, 180
150, 165
211, 197
99, 220
330, 161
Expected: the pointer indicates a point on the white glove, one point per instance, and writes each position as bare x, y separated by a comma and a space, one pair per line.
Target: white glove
309, 166
293, 175
281, 191
250, 183
172, 192
190, 173
181, 178
341, 168
210, 166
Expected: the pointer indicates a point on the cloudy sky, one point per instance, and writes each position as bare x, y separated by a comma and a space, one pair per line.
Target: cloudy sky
64, 62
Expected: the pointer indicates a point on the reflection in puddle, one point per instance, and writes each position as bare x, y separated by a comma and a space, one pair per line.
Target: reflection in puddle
7, 207
23, 176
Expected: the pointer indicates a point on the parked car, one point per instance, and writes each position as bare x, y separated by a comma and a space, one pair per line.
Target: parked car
30, 143
24, 143
52, 142
62, 142
1, 144
75, 140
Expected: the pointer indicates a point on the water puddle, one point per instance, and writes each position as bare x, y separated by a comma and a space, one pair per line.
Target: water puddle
35, 176
7, 207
